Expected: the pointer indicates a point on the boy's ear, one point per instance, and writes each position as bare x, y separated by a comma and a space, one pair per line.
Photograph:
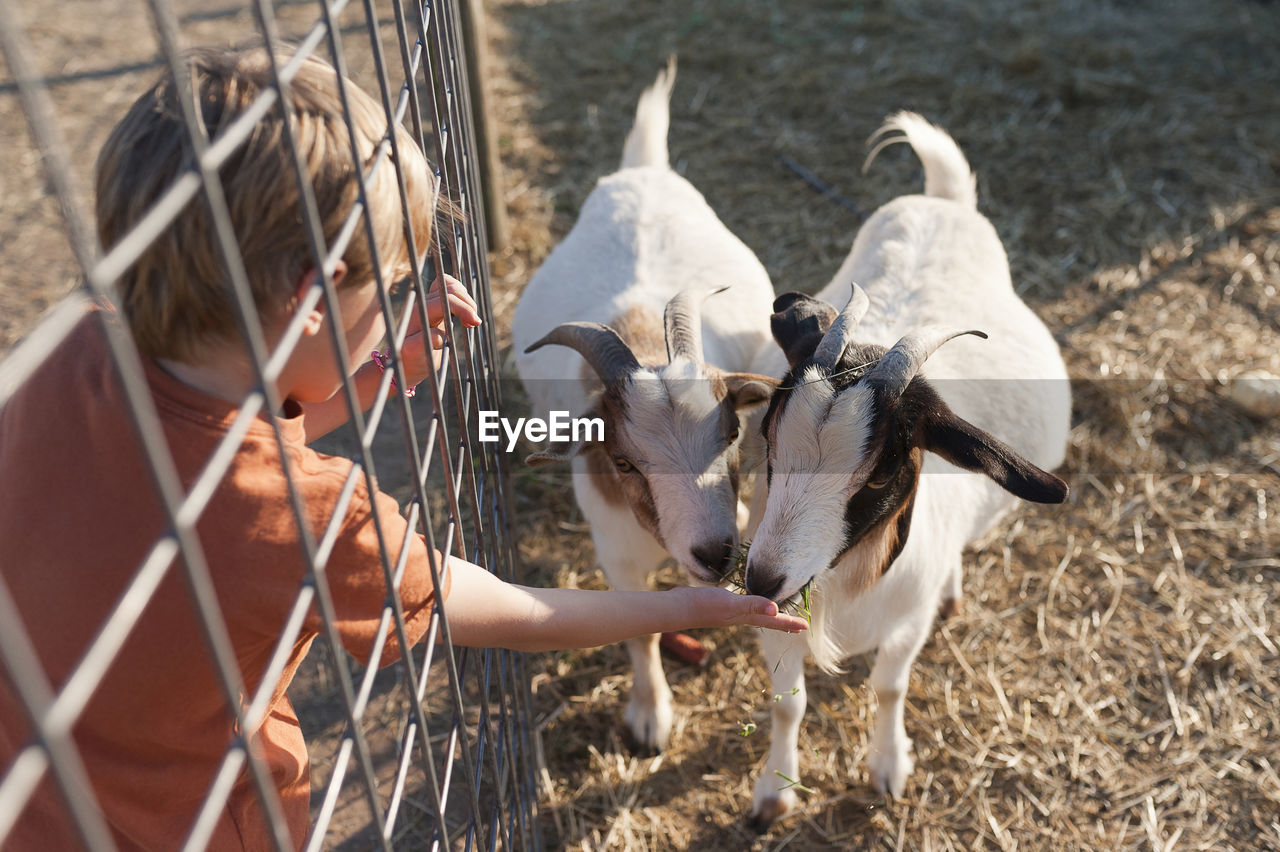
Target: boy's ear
309, 278
965, 445
798, 323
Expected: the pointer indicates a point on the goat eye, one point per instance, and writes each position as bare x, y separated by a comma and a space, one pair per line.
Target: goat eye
734, 432
623, 465
880, 483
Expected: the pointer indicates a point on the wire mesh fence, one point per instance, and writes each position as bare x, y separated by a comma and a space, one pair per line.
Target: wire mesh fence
435, 750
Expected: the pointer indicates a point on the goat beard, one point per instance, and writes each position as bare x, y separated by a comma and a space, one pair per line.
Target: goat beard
852, 575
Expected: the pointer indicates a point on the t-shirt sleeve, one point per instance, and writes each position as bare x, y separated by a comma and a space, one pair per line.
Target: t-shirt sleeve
357, 581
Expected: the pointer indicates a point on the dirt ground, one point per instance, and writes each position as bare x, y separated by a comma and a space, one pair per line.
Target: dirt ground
1113, 681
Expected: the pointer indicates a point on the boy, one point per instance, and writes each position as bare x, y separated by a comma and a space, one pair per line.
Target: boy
78, 513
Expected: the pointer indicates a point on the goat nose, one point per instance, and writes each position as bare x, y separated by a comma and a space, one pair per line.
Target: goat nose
716, 555
762, 580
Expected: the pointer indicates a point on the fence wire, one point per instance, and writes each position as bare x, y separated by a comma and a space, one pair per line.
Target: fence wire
458, 773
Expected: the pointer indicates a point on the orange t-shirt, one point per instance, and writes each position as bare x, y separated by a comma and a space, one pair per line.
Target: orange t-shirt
78, 513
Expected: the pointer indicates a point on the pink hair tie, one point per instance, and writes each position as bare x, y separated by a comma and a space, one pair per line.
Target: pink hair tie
383, 360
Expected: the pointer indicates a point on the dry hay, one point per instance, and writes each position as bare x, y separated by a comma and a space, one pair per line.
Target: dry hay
1112, 682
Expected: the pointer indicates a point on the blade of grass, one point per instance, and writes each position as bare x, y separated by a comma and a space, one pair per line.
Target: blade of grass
791, 782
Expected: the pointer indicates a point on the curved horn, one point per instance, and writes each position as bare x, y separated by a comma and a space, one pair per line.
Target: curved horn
837, 337
897, 367
600, 345
682, 323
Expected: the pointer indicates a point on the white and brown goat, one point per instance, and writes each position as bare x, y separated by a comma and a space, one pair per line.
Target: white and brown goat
882, 468
621, 297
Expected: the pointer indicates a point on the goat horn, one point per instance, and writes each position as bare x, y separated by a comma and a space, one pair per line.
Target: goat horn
897, 367
834, 341
682, 323
600, 345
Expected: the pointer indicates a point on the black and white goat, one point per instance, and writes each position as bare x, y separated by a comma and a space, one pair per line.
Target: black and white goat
621, 297
868, 501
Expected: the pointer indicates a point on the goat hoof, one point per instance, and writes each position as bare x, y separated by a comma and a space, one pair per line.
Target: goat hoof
950, 608
889, 771
766, 813
649, 728
643, 743
640, 749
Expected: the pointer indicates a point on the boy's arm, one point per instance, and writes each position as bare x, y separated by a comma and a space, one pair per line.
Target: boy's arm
486, 612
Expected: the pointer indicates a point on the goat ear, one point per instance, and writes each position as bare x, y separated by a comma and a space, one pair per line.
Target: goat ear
798, 323
963, 444
748, 389
564, 450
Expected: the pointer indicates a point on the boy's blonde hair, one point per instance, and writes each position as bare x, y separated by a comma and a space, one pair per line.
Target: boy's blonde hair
177, 295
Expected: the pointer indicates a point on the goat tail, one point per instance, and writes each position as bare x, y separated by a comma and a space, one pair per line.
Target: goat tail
647, 142
946, 171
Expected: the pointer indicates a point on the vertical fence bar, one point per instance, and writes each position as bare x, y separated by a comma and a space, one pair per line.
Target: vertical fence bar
435, 81
484, 361
487, 688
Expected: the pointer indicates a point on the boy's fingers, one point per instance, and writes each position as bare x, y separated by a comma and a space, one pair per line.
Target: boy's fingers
785, 623
764, 613
437, 343
455, 288
756, 605
448, 280
465, 310
461, 306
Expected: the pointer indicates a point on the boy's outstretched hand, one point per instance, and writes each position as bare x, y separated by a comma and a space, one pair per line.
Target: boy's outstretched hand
715, 607
485, 612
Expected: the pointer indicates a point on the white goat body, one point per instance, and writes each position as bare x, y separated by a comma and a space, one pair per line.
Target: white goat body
922, 260
644, 236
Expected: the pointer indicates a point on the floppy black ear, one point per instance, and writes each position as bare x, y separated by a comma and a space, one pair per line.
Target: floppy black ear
798, 323
963, 444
